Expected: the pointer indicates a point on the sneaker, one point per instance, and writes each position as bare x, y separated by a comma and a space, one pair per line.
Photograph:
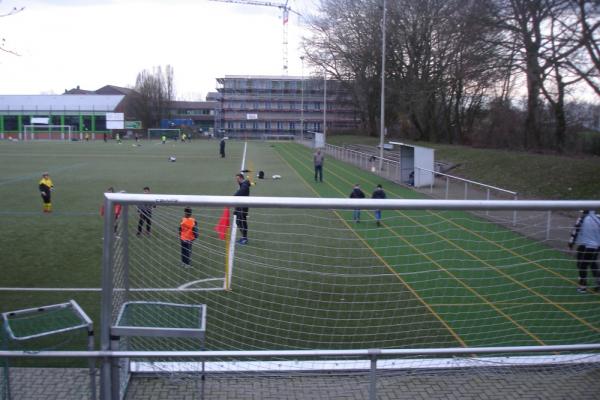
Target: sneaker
243, 241
581, 289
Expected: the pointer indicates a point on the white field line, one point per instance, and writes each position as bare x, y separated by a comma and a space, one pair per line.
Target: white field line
41, 289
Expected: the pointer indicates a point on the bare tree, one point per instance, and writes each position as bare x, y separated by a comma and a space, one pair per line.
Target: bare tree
155, 93
345, 43
3, 46
587, 29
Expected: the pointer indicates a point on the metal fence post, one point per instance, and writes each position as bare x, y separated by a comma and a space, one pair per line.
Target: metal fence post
373, 374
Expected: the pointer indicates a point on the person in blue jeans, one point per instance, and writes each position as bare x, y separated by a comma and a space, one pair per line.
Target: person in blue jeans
357, 193
379, 193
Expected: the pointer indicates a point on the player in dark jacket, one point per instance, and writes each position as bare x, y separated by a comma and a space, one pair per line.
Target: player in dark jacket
241, 213
357, 193
379, 193
145, 215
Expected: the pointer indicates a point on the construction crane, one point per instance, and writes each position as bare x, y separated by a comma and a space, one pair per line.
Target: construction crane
285, 12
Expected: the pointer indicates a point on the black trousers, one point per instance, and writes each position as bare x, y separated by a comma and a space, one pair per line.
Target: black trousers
186, 251
241, 215
587, 256
147, 218
319, 172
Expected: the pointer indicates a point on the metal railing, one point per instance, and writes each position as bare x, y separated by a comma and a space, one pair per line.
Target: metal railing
371, 362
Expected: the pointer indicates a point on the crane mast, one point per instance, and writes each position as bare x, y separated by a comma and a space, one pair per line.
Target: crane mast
285, 12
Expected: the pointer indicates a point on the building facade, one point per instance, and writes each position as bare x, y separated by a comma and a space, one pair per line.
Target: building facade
282, 107
197, 115
82, 112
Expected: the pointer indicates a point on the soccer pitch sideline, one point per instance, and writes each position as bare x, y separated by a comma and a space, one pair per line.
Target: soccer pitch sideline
424, 279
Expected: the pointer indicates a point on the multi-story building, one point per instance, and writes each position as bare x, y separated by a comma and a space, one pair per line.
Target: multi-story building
282, 106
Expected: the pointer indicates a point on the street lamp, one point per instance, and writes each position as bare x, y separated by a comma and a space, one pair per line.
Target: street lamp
302, 103
324, 107
382, 127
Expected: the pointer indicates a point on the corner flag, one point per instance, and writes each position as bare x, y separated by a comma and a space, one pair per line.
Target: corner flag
223, 224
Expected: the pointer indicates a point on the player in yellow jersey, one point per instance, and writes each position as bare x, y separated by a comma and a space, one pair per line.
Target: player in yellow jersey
46, 186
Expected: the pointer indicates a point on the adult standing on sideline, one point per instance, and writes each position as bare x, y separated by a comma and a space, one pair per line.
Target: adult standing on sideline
318, 159
241, 213
222, 147
586, 237
145, 214
357, 193
46, 187
379, 193
188, 232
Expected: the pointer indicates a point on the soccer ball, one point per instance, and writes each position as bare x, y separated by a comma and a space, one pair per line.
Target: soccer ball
172, 159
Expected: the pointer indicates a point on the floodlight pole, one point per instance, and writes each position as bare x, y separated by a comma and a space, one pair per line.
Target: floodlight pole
302, 103
382, 118
324, 106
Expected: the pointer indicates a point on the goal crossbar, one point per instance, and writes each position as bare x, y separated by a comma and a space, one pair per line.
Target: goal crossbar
345, 203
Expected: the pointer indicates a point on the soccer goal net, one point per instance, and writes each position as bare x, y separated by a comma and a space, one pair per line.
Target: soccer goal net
325, 274
48, 132
169, 134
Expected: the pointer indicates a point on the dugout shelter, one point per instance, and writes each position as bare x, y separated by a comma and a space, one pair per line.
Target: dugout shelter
416, 164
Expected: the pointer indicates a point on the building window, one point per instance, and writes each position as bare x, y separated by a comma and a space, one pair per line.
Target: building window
230, 125
268, 125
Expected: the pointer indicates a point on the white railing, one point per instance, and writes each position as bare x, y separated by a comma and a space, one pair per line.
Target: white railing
201, 365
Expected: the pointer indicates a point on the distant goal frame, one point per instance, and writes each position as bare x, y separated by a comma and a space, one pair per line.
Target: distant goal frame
65, 132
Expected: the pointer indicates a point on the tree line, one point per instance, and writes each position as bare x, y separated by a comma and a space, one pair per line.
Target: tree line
500, 73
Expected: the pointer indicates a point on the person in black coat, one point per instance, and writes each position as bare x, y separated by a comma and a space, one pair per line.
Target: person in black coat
241, 213
379, 193
357, 193
222, 147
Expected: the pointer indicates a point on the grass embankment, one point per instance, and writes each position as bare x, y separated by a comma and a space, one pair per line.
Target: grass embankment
534, 176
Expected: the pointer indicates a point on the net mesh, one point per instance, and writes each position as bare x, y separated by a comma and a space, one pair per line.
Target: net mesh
320, 279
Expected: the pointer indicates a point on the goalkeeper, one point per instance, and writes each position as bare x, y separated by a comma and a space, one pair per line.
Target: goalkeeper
46, 187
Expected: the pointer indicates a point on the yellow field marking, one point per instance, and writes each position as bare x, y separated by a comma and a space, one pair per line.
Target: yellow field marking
470, 289
546, 299
412, 291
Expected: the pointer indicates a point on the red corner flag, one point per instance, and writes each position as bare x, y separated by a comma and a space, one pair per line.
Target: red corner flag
223, 225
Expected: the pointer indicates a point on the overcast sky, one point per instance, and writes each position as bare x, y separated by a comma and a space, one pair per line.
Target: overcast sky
91, 43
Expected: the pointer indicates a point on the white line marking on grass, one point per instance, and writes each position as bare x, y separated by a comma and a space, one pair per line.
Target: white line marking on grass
187, 285
59, 213
31, 289
23, 178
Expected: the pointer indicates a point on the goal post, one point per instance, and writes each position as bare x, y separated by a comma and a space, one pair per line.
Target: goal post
169, 134
432, 274
47, 132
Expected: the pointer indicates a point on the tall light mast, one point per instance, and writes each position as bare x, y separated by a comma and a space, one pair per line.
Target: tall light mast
285, 12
